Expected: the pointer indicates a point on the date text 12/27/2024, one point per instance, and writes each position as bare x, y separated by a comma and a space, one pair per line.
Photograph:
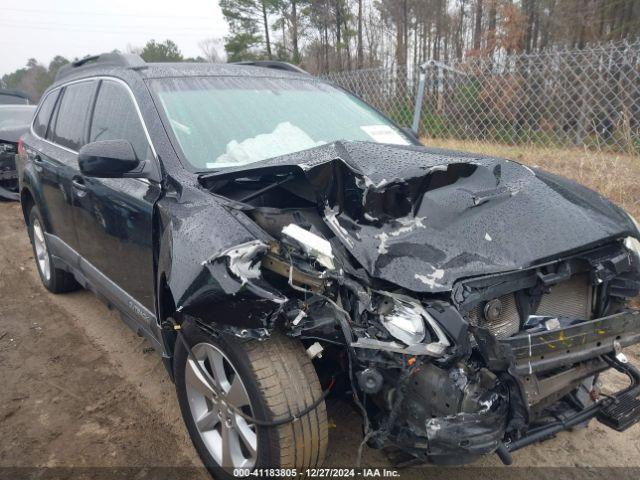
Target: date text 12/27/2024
317, 473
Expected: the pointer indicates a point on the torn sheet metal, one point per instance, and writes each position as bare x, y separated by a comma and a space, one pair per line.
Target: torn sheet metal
238, 267
419, 217
210, 257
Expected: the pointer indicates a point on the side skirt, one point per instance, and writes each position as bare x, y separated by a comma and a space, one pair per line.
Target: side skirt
135, 315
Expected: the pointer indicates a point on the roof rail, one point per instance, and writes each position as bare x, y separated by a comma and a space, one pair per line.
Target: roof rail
104, 59
275, 64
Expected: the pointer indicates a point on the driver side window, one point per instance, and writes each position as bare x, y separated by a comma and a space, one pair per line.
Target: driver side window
115, 118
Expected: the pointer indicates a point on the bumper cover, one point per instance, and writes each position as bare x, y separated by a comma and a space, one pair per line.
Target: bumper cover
464, 437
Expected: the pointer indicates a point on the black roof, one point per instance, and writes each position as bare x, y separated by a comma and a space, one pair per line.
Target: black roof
111, 63
165, 70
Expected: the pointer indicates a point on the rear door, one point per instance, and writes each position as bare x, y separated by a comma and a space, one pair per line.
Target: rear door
114, 219
56, 158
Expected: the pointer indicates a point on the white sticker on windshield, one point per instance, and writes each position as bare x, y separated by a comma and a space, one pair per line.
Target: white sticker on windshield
384, 134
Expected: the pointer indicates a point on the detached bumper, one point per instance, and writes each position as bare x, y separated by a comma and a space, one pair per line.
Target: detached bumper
546, 366
619, 411
582, 349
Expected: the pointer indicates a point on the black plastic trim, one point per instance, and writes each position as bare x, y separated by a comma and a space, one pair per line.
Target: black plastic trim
135, 315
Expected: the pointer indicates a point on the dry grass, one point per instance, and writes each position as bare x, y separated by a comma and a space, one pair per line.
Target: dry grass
615, 176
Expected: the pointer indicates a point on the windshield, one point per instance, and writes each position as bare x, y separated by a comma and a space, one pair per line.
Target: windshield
18, 116
233, 121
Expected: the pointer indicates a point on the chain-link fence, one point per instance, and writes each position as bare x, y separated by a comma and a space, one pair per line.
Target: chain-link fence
587, 98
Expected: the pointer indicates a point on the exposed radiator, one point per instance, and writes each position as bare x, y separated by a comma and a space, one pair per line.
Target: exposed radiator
507, 322
572, 298
568, 299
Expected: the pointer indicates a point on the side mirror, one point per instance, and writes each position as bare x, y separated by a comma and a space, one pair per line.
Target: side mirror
109, 159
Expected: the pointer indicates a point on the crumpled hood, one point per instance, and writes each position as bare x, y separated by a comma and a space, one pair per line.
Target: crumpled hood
423, 218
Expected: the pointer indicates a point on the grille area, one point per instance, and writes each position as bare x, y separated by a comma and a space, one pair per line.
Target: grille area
568, 299
572, 298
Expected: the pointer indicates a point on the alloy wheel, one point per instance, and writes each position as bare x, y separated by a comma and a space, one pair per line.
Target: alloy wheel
42, 255
229, 438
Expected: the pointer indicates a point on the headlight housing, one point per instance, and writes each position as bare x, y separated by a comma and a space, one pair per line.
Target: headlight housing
403, 319
408, 322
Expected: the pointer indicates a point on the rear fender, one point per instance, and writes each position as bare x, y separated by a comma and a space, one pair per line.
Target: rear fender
31, 194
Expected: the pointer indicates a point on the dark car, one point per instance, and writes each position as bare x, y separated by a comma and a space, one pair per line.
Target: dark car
13, 97
278, 240
14, 122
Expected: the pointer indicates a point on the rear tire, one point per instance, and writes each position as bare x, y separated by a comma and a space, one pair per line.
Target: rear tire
280, 381
54, 279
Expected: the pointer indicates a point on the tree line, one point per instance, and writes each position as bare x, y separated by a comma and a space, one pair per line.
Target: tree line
333, 35
34, 78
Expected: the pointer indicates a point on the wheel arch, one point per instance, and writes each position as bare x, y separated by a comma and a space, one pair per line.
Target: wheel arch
30, 197
27, 201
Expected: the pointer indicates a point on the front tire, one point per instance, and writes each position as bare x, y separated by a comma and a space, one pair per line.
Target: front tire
268, 379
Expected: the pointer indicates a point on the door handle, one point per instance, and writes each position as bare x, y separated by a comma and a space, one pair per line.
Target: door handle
38, 162
78, 184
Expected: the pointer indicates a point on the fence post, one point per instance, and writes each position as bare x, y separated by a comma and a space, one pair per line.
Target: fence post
419, 99
423, 78
581, 124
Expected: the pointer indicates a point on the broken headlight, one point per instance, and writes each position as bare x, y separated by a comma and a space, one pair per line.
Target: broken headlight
403, 319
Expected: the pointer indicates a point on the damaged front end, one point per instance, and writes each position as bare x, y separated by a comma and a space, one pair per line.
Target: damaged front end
462, 331
8, 172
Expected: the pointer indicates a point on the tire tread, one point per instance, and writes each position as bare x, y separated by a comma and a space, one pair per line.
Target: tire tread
289, 384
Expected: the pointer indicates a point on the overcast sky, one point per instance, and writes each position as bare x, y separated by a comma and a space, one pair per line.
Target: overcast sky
41, 29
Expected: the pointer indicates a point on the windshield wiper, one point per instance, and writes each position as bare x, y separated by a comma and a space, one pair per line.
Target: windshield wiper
271, 186
210, 174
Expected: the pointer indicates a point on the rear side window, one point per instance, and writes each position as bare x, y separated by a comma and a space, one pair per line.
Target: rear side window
44, 114
115, 118
72, 114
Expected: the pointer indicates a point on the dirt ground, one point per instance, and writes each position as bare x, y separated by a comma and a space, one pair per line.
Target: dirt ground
614, 175
79, 394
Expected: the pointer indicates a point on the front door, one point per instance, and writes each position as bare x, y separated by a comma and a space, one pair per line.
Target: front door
114, 219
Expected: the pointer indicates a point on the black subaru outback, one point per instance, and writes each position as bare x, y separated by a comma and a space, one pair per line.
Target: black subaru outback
277, 240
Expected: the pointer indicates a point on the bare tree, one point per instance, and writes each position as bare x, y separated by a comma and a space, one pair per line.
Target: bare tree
477, 31
211, 48
326, 35
360, 46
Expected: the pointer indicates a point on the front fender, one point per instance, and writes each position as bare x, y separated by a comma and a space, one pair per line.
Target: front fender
198, 236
